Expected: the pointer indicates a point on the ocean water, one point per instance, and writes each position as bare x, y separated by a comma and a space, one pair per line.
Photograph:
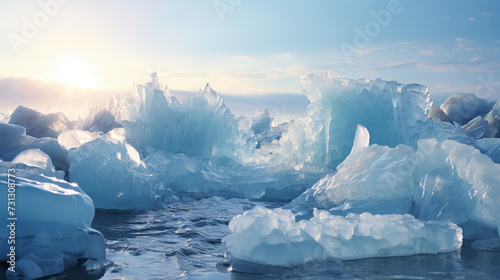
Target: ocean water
183, 241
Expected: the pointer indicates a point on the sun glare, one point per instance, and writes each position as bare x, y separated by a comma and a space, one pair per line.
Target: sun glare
77, 73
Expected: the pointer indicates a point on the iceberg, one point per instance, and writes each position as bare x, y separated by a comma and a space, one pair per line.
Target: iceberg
99, 120
274, 238
74, 138
261, 122
200, 126
40, 160
457, 184
480, 128
201, 178
375, 179
111, 172
493, 117
463, 107
39, 125
53, 230
13, 140
394, 113
437, 114
489, 147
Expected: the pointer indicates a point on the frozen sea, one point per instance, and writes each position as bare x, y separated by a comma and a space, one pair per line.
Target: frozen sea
183, 241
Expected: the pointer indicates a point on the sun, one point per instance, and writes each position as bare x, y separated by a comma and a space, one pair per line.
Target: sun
75, 72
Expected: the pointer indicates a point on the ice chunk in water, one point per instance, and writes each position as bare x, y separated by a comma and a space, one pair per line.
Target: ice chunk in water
274, 237
41, 262
111, 172
54, 218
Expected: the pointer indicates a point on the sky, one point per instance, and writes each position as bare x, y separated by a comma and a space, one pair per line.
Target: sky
257, 47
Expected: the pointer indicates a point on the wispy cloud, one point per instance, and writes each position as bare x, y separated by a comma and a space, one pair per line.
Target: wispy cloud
250, 58
487, 14
462, 44
426, 52
392, 65
277, 73
247, 58
445, 19
472, 65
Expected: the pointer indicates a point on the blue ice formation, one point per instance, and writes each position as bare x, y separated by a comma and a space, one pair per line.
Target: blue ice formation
455, 182
493, 117
110, 171
270, 237
394, 113
40, 125
463, 107
200, 126
447, 181
54, 216
13, 140
375, 179
121, 180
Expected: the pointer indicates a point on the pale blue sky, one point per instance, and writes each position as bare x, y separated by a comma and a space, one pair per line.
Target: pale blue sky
256, 47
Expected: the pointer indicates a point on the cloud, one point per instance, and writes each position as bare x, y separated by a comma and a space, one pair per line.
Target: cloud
277, 73
393, 65
247, 58
250, 58
278, 56
426, 52
462, 44
471, 19
472, 65
487, 14
445, 19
